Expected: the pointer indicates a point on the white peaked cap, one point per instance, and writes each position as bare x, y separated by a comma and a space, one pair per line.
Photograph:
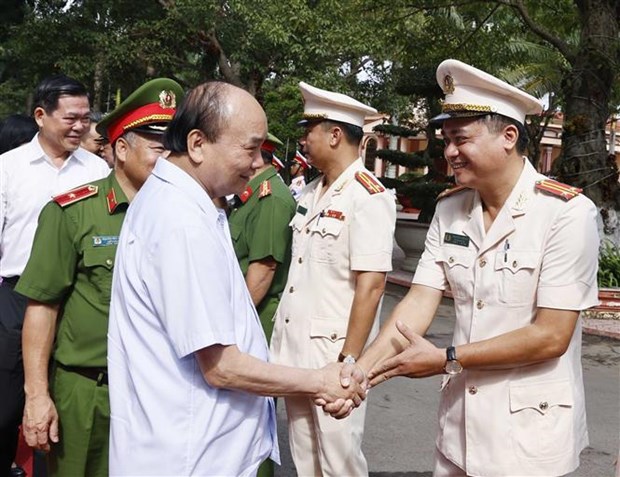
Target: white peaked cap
472, 92
320, 104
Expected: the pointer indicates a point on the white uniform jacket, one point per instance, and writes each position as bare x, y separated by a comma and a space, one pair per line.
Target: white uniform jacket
348, 229
540, 252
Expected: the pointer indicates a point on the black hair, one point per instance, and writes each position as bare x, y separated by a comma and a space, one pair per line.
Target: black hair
16, 130
267, 156
497, 122
203, 108
352, 133
49, 90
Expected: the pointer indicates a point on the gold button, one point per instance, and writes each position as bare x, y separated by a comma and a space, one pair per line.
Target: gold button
300, 259
291, 290
108, 262
451, 260
514, 264
482, 262
480, 304
543, 406
473, 390
333, 336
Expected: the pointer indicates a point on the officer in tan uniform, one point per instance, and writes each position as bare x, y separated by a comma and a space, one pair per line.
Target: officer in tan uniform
519, 252
342, 249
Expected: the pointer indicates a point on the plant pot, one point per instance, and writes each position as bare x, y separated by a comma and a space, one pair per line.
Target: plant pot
410, 236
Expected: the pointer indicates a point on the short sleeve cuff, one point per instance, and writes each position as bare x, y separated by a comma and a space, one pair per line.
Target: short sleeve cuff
576, 296
198, 342
429, 277
34, 293
377, 262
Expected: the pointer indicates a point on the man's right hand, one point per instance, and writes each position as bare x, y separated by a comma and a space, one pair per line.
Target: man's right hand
337, 396
40, 422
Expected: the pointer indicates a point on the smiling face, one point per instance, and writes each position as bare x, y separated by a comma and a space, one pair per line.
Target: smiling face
61, 130
474, 153
137, 153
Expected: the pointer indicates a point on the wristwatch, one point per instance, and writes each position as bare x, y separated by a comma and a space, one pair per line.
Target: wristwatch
452, 366
348, 359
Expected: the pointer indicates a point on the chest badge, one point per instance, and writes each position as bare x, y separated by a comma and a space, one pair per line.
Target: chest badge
456, 239
333, 214
105, 240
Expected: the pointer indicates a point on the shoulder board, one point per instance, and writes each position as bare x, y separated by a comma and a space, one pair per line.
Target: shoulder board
75, 195
264, 190
369, 183
451, 191
246, 194
558, 189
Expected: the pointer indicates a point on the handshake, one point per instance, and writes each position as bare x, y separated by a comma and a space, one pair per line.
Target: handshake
342, 388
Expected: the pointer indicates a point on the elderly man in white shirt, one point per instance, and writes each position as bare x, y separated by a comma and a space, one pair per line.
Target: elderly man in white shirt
187, 358
30, 175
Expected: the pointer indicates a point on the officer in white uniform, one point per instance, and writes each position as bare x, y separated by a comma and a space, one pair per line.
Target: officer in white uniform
342, 249
519, 252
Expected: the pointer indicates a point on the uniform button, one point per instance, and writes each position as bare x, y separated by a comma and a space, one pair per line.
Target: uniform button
543, 406
323, 230
482, 262
480, 304
451, 260
108, 262
333, 336
473, 390
307, 230
291, 290
300, 259
286, 320
514, 264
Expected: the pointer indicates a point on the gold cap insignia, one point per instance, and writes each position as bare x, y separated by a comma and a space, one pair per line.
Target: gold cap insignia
448, 84
167, 99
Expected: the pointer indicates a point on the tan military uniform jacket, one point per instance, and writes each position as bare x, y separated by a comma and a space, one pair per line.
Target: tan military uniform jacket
541, 251
348, 229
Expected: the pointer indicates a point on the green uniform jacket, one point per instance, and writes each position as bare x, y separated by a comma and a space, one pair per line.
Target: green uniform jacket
259, 229
71, 263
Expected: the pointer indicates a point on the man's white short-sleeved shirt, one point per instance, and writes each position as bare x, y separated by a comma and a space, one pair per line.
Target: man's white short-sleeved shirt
177, 288
28, 180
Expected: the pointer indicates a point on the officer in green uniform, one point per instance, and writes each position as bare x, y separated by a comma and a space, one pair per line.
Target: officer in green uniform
262, 241
67, 282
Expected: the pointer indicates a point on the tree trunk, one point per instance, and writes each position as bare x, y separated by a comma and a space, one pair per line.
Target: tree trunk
98, 86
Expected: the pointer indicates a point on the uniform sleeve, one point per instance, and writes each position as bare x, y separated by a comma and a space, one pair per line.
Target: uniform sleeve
430, 271
570, 259
50, 270
371, 233
270, 234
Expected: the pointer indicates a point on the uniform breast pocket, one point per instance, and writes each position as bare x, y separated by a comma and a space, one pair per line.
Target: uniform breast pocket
325, 234
541, 416
326, 339
458, 264
99, 263
517, 276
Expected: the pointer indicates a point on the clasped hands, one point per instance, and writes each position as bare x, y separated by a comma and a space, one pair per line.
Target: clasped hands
419, 359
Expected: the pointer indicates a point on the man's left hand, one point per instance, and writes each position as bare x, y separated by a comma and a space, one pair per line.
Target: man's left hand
419, 359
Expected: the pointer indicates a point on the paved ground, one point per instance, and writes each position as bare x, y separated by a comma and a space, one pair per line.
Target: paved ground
400, 424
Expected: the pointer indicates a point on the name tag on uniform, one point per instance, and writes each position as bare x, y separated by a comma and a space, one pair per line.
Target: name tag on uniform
105, 240
302, 210
456, 239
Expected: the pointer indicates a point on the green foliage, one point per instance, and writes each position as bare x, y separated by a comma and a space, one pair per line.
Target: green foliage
412, 160
609, 265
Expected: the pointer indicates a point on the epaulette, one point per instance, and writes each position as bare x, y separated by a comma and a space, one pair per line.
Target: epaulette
75, 195
451, 191
246, 194
265, 189
558, 189
369, 183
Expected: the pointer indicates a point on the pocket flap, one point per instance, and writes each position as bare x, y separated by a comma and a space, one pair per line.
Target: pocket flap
540, 396
102, 256
453, 258
328, 226
515, 260
297, 222
331, 330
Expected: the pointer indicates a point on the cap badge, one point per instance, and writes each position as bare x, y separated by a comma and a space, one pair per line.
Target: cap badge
448, 84
167, 99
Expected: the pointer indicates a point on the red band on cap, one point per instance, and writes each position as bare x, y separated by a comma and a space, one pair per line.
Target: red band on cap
268, 146
147, 114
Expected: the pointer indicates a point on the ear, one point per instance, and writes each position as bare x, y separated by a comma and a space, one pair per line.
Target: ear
121, 147
195, 142
38, 115
335, 136
510, 136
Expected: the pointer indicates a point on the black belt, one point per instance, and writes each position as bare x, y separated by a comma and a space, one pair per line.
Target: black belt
96, 374
10, 281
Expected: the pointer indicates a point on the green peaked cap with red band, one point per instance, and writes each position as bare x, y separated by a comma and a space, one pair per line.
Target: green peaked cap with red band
148, 109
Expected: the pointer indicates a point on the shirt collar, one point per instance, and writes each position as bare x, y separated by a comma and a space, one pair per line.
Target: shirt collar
39, 154
115, 195
263, 176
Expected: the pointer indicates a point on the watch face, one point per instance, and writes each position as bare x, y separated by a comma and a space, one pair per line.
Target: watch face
453, 367
349, 359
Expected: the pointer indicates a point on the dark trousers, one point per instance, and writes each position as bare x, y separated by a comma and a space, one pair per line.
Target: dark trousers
12, 309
